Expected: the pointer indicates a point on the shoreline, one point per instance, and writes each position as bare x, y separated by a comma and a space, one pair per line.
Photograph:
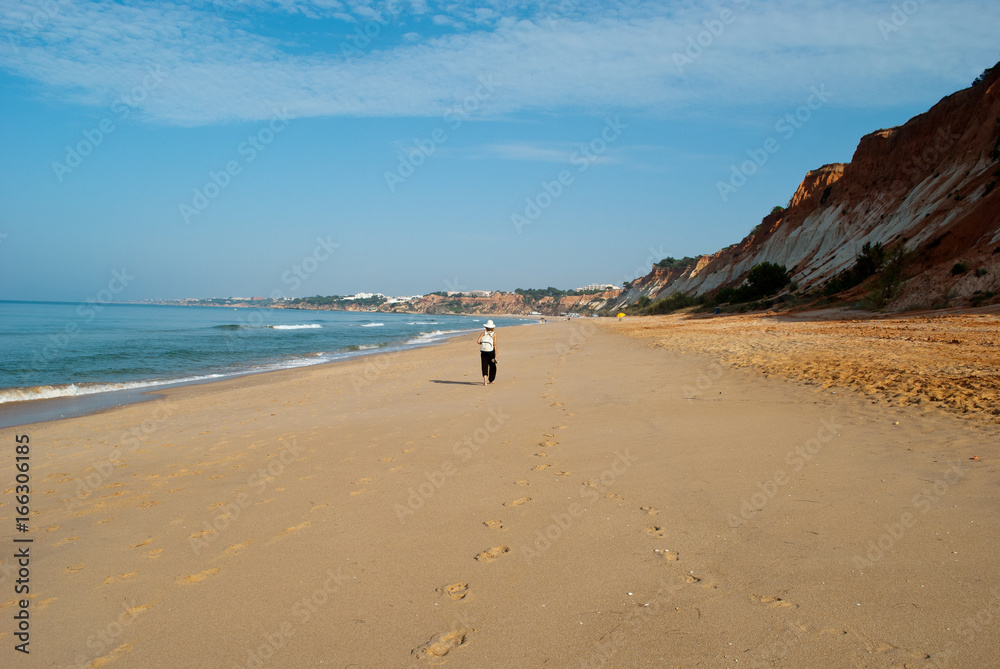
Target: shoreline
583, 511
48, 409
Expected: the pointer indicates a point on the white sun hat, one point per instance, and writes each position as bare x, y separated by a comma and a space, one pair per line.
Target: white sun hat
489, 325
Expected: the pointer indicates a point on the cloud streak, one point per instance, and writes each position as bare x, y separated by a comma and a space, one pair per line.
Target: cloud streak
224, 62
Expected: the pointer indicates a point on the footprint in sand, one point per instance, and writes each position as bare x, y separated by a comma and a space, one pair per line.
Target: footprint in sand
615, 496
456, 590
136, 610
290, 530
590, 484
557, 404
153, 554
667, 554
546, 444
773, 602
197, 535
366, 479
146, 505
75, 568
524, 482
236, 548
541, 455
199, 577
492, 554
65, 541
112, 656
358, 492
440, 645
654, 531
562, 473
53, 528
320, 506
494, 524
538, 468
692, 579
651, 510
142, 543
111, 579
518, 502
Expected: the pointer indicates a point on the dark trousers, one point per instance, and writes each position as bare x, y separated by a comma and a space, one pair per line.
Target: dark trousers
489, 360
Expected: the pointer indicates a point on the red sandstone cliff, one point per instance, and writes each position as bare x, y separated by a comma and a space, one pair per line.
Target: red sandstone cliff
928, 184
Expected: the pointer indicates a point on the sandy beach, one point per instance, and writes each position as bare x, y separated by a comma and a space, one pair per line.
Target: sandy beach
612, 501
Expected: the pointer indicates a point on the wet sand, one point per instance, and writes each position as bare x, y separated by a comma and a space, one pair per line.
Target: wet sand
587, 510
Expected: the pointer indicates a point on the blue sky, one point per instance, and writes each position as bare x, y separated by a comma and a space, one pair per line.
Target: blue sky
226, 147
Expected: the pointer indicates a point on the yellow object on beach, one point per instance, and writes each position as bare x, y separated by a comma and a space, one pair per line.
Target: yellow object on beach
621, 315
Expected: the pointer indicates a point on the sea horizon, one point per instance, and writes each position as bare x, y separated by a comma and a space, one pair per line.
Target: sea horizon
57, 350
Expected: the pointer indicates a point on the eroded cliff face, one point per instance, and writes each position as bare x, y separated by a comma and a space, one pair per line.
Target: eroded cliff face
928, 184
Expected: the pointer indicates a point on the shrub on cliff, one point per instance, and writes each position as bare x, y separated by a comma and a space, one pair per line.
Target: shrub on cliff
889, 278
764, 279
673, 263
668, 305
866, 264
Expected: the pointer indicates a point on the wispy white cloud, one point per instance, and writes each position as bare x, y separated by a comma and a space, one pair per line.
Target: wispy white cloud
223, 61
546, 152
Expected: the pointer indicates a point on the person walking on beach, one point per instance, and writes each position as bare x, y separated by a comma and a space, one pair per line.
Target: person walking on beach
488, 352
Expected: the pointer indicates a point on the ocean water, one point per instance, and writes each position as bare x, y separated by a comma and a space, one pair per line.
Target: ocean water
57, 350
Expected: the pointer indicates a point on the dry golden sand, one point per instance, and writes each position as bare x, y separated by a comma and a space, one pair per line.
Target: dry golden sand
391, 512
949, 362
